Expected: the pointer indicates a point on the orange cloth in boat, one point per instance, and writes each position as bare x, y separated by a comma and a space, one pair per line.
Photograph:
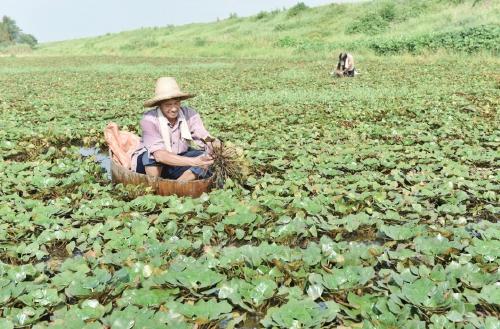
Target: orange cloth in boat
121, 143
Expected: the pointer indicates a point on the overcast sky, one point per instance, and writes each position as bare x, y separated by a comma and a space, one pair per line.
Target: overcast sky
53, 20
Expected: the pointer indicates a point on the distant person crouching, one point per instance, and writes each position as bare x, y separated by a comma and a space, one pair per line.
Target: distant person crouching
345, 66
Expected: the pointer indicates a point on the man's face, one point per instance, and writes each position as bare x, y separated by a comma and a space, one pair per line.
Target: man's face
170, 108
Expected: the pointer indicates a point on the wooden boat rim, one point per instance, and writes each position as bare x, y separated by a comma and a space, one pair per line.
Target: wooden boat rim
159, 179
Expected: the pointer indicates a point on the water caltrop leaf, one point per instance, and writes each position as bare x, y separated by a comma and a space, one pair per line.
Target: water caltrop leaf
491, 294
344, 278
146, 297
202, 310
403, 232
305, 313
6, 324
194, 277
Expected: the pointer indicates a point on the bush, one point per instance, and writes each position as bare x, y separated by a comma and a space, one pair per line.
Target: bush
485, 37
388, 12
149, 43
200, 42
280, 27
133, 44
285, 27
261, 15
377, 21
10, 33
27, 39
297, 9
371, 24
412, 10
129, 46
302, 45
286, 42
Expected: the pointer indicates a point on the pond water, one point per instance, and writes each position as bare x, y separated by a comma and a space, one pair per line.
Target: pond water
100, 157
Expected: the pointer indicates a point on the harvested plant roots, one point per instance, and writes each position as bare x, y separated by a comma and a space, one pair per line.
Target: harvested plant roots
229, 162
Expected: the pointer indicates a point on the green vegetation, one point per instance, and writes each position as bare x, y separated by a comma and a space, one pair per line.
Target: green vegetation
11, 34
372, 202
376, 26
471, 40
296, 10
374, 22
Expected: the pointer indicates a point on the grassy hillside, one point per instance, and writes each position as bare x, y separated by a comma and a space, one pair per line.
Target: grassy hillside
380, 26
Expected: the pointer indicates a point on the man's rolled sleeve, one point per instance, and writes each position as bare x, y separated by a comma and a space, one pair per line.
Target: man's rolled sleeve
151, 136
198, 131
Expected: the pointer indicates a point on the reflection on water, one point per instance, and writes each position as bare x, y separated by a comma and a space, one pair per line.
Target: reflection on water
102, 158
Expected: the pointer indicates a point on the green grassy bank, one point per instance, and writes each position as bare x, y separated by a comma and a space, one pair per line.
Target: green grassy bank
375, 26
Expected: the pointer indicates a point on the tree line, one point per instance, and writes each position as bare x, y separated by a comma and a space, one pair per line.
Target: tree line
11, 34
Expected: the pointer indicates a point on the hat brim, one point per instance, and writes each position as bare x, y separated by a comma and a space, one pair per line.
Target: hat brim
155, 100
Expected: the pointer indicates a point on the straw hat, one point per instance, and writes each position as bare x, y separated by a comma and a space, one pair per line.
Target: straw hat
166, 88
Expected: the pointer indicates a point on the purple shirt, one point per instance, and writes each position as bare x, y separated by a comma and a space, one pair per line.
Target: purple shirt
152, 140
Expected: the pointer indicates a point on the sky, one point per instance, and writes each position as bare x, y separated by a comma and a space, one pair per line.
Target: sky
54, 20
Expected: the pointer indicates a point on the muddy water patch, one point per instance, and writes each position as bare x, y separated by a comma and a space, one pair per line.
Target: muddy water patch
100, 157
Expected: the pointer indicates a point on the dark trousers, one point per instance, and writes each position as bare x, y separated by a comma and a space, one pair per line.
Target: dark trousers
349, 73
172, 172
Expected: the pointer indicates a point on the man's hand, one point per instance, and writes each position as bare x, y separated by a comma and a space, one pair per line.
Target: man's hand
202, 161
215, 144
176, 160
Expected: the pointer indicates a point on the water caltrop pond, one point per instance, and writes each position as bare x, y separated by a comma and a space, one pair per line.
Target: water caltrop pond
370, 202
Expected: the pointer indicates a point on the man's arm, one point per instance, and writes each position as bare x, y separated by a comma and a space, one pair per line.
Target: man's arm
199, 132
151, 136
196, 127
349, 63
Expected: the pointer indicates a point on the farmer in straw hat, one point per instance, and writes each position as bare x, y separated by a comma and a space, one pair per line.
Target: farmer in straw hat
169, 131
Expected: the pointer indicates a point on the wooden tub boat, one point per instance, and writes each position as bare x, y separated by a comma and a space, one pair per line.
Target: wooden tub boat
161, 186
